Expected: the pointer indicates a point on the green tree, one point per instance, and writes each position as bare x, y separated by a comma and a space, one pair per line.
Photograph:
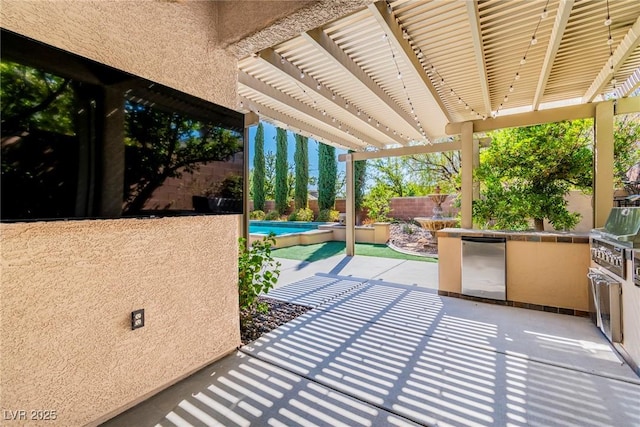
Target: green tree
327, 175
33, 99
258, 178
39, 143
377, 202
168, 145
527, 171
626, 140
301, 159
281, 187
396, 174
360, 179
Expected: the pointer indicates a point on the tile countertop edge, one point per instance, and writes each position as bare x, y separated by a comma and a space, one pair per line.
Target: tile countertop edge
529, 236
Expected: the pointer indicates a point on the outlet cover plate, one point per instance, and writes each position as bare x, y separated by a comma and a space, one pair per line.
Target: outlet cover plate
137, 319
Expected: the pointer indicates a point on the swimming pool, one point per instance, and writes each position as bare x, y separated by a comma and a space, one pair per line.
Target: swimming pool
280, 227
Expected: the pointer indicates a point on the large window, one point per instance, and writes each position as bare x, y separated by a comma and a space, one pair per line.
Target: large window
82, 140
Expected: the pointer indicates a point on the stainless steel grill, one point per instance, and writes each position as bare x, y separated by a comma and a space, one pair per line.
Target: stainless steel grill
613, 248
613, 245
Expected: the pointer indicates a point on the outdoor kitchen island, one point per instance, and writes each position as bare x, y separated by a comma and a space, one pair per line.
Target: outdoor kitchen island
544, 270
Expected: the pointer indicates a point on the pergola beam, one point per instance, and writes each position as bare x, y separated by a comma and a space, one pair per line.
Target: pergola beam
279, 96
623, 51
390, 27
478, 49
271, 58
552, 115
559, 26
300, 127
338, 57
403, 151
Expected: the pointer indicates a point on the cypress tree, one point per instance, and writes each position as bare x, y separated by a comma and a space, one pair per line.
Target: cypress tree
281, 190
301, 158
258, 170
359, 178
327, 175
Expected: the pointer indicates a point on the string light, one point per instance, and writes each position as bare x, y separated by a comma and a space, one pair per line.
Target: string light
431, 68
607, 23
523, 61
405, 36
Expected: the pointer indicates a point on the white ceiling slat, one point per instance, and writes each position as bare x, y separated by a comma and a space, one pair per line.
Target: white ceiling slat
299, 126
630, 85
622, 52
559, 26
333, 52
270, 58
478, 48
405, 50
277, 95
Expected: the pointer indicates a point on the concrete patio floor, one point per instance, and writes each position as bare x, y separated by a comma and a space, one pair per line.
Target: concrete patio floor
381, 348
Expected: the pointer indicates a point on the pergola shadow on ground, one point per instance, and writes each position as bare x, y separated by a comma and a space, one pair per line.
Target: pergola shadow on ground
375, 353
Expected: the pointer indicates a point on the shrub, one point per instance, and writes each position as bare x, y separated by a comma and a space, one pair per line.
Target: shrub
272, 216
377, 202
258, 273
257, 214
328, 215
304, 214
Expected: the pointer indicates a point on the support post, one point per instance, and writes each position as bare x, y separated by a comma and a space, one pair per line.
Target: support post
467, 159
250, 119
476, 164
603, 163
350, 207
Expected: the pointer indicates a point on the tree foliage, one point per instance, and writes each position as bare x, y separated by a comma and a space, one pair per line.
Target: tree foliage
301, 159
39, 143
626, 140
327, 175
164, 145
34, 99
360, 179
527, 171
258, 178
281, 185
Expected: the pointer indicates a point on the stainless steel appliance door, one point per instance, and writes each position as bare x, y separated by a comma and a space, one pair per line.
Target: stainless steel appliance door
484, 267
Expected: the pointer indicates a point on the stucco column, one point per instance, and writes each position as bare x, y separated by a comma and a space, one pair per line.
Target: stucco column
467, 159
350, 207
603, 163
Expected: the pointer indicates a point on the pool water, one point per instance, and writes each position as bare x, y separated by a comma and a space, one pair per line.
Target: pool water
279, 229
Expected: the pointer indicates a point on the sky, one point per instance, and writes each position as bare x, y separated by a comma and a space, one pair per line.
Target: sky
270, 145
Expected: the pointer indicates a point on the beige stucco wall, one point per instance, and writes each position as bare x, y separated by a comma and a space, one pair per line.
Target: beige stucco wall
67, 292
172, 43
581, 203
449, 264
551, 274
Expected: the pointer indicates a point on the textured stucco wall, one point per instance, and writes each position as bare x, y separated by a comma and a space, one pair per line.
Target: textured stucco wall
241, 18
67, 292
172, 43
